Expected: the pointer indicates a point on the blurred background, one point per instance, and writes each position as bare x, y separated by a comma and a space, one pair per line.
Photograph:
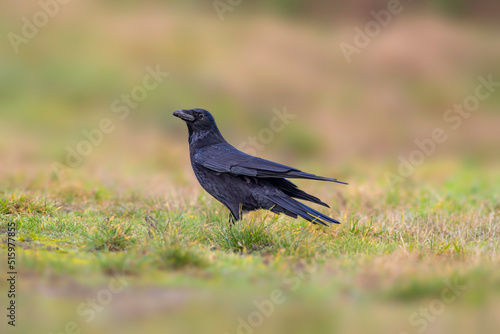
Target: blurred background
240, 62
246, 63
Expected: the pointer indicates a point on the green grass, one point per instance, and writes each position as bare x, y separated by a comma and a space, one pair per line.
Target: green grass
24, 205
110, 237
383, 255
384, 252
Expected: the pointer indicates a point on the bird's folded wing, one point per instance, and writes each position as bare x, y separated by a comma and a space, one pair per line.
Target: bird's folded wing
227, 159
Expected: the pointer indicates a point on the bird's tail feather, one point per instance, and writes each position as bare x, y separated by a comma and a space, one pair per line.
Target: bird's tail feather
292, 190
303, 175
294, 174
302, 210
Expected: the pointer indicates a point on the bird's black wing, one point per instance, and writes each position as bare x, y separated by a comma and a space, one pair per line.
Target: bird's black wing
224, 158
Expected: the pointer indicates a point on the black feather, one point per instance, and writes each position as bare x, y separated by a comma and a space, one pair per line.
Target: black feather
292, 190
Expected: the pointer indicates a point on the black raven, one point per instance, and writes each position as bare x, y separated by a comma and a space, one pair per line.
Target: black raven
243, 182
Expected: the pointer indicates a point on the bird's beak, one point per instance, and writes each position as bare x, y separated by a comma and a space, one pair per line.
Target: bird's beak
184, 115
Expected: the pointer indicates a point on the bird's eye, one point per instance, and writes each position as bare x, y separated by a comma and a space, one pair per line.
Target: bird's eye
200, 116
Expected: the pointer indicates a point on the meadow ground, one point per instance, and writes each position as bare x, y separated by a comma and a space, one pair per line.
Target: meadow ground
406, 259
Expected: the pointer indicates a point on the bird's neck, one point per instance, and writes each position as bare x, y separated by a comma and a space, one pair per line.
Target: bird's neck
201, 138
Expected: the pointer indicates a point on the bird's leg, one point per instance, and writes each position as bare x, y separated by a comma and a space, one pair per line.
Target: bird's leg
234, 216
231, 220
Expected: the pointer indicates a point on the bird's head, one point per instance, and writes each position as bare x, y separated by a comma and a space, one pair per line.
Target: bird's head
196, 118
199, 122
